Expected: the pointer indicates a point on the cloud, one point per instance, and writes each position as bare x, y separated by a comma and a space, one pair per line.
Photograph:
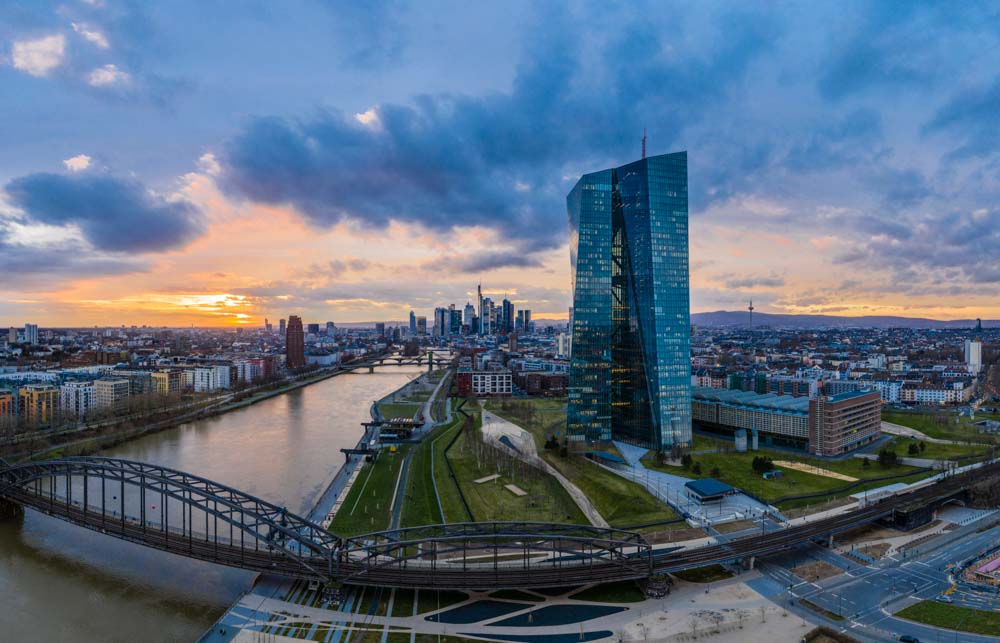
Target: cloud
113, 213
40, 56
107, 75
371, 33
484, 261
35, 265
974, 116
755, 282
92, 35
77, 163
447, 160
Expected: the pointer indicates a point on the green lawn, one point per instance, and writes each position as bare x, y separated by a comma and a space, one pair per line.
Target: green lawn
366, 507
620, 502
392, 410
934, 451
704, 443
953, 617
735, 469
545, 501
946, 425
623, 592
420, 505
451, 501
708, 574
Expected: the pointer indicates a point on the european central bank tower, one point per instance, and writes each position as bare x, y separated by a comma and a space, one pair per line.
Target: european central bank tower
630, 373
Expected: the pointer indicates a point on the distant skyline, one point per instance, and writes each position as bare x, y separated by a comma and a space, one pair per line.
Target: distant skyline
194, 163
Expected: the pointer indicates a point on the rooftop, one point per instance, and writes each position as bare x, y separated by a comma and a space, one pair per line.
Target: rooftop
769, 401
708, 487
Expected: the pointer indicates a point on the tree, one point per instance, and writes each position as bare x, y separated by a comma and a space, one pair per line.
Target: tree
865, 463
686, 460
887, 458
913, 449
696, 468
923, 445
715, 472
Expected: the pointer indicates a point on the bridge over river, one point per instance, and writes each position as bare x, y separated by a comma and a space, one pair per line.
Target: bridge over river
195, 517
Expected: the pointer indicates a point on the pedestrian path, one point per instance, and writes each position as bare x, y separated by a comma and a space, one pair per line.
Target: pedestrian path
670, 489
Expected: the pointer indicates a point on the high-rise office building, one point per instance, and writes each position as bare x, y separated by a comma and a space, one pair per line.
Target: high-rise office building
295, 348
413, 323
468, 314
31, 334
479, 294
421, 325
380, 329
331, 329
456, 320
507, 313
442, 321
630, 376
281, 327
528, 328
486, 317
974, 355
313, 329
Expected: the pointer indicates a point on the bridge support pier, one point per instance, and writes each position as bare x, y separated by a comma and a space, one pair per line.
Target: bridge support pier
10, 510
371, 369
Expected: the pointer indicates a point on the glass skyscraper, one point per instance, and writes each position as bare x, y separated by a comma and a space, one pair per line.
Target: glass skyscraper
630, 374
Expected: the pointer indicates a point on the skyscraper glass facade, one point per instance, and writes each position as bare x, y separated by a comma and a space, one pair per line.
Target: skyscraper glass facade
630, 376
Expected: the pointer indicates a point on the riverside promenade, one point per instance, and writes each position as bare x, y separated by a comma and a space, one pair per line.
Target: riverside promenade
268, 589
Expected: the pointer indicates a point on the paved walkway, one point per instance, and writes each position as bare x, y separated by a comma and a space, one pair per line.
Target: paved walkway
670, 489
905, 431
728, 607
495, 427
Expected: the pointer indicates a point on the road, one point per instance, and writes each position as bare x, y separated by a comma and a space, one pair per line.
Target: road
869, 596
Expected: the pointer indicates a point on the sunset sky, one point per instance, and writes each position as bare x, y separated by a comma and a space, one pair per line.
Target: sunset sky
213, 163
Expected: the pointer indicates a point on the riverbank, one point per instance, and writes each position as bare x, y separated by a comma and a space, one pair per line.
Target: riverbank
109, 436
266, 587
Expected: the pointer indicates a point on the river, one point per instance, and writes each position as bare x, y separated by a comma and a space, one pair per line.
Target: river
59, 582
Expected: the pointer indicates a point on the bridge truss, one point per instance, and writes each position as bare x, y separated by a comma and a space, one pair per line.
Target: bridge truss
198, 518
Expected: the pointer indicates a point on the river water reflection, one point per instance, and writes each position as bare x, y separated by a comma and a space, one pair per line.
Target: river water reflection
59, 582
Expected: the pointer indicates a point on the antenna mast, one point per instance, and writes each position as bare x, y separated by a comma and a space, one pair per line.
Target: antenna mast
643, 142
750, 308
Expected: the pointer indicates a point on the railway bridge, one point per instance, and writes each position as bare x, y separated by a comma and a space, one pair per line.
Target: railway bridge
195, 517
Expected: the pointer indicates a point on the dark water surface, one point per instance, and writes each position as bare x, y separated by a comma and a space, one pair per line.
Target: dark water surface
59, 582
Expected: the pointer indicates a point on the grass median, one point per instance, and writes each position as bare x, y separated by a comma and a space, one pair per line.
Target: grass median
366, 507
953, 617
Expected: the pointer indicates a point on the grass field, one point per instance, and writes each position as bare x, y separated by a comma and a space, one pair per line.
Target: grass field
623, 592
366, 507
545, 501
451, 501
934, 451
937, 424
953, 617
708, 574
735, 469
391, 410
420, 505
620, 502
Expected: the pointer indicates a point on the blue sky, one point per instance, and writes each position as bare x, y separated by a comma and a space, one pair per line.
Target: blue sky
215, 162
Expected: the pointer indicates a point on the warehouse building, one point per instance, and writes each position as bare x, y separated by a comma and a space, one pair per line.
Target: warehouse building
826, 425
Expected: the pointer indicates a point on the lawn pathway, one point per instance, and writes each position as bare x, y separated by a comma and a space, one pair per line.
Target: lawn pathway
495, 426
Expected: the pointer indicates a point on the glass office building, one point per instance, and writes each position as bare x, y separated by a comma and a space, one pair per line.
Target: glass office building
630, 374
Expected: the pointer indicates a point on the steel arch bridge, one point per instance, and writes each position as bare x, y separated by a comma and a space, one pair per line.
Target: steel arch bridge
195, 517
173, 511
